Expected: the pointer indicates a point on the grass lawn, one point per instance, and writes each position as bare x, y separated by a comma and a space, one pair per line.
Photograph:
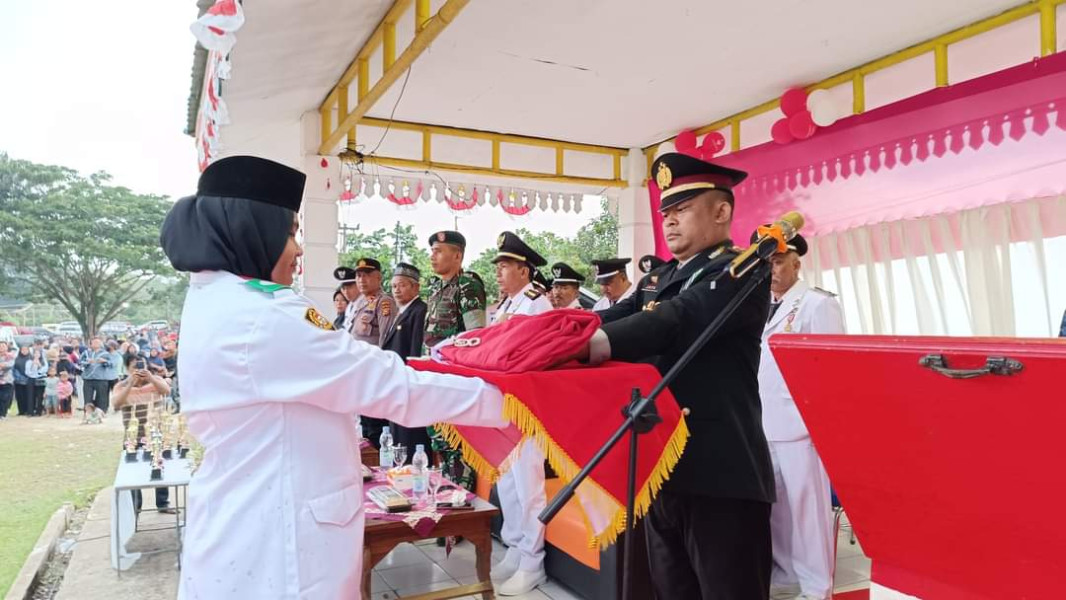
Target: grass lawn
45, 462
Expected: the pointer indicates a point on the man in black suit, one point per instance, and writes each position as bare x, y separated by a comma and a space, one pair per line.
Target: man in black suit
405, 338
708, 531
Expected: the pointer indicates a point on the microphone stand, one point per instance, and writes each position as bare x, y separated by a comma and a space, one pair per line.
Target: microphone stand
641, 416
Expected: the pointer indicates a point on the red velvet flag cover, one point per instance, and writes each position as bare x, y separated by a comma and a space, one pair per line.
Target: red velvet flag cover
570, 412
953, 485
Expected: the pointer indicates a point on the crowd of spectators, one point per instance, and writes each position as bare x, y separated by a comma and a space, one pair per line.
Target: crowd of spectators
66, 375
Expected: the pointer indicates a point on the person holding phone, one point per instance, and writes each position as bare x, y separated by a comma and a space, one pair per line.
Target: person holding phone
140, 392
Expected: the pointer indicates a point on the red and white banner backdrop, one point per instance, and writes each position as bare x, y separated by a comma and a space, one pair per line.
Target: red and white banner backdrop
999, 138
216, 32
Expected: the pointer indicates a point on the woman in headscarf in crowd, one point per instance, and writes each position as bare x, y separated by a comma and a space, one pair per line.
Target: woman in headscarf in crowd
270, 389
340, 304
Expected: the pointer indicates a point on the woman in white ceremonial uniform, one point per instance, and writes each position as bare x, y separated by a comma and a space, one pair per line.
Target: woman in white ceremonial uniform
270, 390
801, 521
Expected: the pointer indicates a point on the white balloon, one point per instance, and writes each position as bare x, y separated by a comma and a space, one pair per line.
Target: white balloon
817, 97
665, 148
825, 113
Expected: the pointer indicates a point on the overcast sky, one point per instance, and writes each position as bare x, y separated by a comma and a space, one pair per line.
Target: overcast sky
101, 85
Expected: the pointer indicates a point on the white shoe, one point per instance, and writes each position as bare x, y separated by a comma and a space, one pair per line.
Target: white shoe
506, 568
522, 582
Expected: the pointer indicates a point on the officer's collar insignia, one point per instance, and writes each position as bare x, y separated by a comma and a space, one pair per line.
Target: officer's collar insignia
315, 318
718, 252
663, 178
267, 287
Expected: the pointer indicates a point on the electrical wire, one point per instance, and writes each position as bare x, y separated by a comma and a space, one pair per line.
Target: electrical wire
392, 115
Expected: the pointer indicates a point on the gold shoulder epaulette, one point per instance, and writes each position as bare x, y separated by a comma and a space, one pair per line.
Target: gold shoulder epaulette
532, 294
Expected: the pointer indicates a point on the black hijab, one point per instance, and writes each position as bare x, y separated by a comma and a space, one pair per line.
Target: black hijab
239, 220
243, 237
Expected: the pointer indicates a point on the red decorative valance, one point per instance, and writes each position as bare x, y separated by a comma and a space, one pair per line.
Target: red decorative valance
945, 150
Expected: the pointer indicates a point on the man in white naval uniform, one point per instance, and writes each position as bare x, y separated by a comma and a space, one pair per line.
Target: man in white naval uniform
566, 286
270, 389
613, 281
521, 489
801, 520
345, 276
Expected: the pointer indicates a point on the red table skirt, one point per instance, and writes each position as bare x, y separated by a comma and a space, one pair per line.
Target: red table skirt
570, 412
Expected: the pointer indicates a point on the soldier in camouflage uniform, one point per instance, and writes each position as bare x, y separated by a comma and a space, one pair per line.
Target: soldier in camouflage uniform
456, 304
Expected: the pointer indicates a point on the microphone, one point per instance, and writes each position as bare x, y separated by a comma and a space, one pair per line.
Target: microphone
772, 239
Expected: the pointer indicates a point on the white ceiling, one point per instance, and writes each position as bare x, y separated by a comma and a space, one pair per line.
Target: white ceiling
624, 73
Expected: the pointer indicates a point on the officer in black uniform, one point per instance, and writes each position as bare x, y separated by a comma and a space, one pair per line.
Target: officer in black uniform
708, 531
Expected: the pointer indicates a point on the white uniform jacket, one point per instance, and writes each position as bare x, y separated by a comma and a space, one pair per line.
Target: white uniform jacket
803, 310
527, 301
604, 302
276, 507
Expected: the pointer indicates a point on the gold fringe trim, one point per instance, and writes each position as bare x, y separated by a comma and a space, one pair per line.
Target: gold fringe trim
470, 456
566, 468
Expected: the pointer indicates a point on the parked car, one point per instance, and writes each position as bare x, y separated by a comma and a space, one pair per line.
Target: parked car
116, 327
69, 328
155, 325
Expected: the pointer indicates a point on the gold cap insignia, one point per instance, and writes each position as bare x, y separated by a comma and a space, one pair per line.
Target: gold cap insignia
362, 264
557, 272
663, 178
499, 240
440, 236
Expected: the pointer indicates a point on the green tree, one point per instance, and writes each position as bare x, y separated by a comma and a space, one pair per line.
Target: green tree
389, 247
596, 239
79, 241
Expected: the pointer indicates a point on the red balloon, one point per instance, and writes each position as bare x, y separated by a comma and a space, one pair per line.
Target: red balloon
686, 142
780, 132
801, 125
713, 143
793, 101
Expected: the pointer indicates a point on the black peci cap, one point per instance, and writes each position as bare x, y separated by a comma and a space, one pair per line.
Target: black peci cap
253, 178
407, 270
680, 177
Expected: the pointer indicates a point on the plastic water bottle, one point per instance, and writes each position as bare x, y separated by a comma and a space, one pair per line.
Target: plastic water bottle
419, 462
385, 448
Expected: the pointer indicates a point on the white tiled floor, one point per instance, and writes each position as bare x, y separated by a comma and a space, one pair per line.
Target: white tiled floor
418, 568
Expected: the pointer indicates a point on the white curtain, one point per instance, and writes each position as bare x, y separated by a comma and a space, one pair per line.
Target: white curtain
989, 271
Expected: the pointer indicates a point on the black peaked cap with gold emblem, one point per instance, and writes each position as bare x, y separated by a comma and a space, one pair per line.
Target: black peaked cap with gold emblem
253, 178
541, 282
367, 264
448, 237
680, 177
650, 262
564, 274
344, 274
407, 270
511, 247
606, 268
797, 244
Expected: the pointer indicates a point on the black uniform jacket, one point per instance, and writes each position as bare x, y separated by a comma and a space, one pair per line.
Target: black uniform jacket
405, 337
727, 455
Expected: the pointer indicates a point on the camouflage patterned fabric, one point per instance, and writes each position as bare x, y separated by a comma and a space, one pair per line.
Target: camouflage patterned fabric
454, 306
